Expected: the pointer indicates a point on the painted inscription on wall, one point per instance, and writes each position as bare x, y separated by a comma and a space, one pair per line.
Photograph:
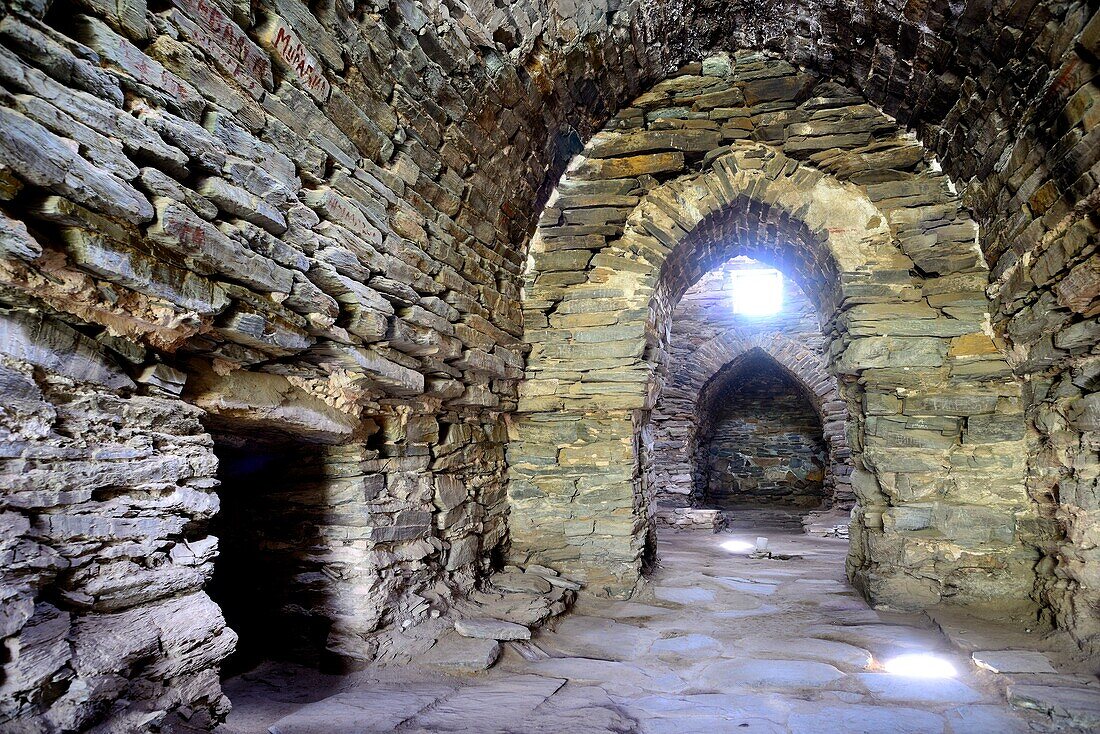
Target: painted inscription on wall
215, 33
343, 211
292, 55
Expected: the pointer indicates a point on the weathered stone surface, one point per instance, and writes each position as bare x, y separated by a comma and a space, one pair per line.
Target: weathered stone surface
43, 159
53, 346
269, 403
238, 202
486, 628
292, 56
781, 674
521, 582
16, 241
463, 654
381, 710
1013, 661
1076, 707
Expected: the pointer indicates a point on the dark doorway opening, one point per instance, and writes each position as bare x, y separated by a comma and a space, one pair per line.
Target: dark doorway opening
263, 580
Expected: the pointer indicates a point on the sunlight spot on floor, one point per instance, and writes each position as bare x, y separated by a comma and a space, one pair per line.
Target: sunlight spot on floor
920, 665
737, 546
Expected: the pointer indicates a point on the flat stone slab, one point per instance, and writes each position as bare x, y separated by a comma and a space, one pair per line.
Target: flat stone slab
620, 678
703, 646
864, 719
748, 586
684, 595
1079, 707
811, 648
575, 709
727, 674
819, 586
887, 687
594, 637
692, 724
487, 628
882, 639
1013, 661
985, 719
361, 711
530, 583
622, 610
756, 611
490, 705
463, 654
760, 711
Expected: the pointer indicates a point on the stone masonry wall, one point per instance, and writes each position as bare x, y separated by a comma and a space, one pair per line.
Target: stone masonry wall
105, 551
264, 221
762, 445
706, 336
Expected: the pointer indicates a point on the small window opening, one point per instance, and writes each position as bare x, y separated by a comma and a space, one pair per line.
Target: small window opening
757, 291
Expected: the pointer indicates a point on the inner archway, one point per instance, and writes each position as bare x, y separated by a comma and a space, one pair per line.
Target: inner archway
759, 444
710, 335
872, 231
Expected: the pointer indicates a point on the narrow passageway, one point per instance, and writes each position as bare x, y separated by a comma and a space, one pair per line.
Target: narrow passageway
716, 641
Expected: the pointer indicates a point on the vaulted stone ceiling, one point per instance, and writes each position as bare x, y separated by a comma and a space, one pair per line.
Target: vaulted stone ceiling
747, 155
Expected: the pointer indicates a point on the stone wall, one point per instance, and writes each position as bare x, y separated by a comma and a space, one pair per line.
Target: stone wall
260, 222
706, 336
105, 549
761, 442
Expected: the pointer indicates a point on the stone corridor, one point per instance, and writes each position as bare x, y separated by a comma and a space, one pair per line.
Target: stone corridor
716, 642
345, 345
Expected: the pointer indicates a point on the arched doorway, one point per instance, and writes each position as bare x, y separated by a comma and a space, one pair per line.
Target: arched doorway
712, 331
874, 235
759, 443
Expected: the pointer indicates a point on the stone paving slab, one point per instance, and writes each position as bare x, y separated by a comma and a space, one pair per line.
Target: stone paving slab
763, 673
903, 689
593, 637
361, 712
864, 719
984, 719
811, 648
684, 595
1013, 661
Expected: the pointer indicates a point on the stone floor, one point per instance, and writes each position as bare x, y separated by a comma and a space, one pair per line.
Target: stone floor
716, 642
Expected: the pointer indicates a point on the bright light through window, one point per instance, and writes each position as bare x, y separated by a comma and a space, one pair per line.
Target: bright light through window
757, 292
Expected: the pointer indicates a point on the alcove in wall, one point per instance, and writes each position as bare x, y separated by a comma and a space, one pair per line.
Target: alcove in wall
760, 445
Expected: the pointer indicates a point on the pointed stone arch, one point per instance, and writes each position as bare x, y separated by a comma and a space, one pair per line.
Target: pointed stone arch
681, 406
713, 403
892, 264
